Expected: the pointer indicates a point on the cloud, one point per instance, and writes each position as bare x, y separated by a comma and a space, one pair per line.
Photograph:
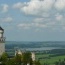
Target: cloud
18, 5
60, 4
35, 7
31, 25
24, 26
38, 6
40, 25
51, 23
59, 17
7, 19
38, 20
45, 11
4, 8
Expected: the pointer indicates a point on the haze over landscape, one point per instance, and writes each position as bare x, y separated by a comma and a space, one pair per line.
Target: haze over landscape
33, 20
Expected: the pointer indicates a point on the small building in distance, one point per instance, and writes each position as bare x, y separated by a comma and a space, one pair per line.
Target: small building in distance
18, 51
2, 41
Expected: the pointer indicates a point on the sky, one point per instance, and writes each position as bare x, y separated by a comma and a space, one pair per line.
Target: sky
33, 20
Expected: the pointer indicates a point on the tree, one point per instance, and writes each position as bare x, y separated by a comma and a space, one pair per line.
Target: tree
10, 62
37, 62
18, 59
26, 58
56, 63
4, 58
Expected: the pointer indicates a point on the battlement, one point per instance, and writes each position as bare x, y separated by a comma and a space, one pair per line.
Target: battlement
2, 39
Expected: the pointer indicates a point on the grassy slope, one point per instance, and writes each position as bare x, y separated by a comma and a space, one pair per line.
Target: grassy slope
51, 60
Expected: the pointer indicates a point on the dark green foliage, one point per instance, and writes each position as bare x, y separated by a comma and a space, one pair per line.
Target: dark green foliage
10, 62
27, 58
18, 59
23, 59
4, 58
37, 62
60, 62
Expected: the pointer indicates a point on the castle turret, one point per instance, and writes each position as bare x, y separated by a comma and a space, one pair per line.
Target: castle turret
33, 56
2, 41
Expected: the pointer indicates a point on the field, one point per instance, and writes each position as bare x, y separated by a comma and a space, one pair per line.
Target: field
44, 58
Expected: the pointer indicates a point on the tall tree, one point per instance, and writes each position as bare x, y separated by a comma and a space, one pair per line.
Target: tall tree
27, 58
18, 59
4, 58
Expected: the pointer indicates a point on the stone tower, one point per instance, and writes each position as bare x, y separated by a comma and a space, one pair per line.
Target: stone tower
2, 41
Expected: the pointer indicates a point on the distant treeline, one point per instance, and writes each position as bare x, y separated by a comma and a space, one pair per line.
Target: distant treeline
12, 44
53, 51
57, 51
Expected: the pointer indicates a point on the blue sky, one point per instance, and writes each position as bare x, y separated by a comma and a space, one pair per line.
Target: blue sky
33, 20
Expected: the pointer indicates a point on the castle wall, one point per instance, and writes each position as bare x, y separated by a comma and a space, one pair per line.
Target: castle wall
2, 48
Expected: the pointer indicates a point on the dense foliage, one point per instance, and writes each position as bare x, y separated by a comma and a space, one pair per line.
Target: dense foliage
23, 59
